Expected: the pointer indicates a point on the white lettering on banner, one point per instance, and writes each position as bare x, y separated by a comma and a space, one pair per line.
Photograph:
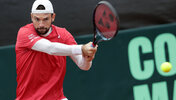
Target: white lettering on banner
163, 49
159, 91
159, 55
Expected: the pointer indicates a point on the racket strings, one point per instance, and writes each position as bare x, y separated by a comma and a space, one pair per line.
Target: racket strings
105, 21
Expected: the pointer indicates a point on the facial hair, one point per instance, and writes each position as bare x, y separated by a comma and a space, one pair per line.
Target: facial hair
43, 33
43, 28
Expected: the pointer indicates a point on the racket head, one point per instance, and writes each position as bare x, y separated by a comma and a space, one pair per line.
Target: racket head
105, 21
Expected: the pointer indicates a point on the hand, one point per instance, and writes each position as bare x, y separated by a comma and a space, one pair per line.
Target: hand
89, 51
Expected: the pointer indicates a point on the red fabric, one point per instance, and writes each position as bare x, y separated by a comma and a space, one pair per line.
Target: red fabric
39, 75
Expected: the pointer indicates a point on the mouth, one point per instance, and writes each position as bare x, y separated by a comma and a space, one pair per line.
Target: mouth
42, 31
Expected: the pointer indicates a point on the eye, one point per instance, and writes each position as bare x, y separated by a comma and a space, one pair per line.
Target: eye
45, 19
37, 19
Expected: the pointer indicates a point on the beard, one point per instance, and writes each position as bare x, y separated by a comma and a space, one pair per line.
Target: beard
42, 30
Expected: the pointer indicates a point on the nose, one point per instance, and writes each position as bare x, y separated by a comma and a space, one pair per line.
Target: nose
41, 24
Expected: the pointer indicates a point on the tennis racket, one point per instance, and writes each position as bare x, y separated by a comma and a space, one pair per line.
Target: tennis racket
105, 22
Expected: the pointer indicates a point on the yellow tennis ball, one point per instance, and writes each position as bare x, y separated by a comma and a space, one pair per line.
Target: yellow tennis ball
166, 66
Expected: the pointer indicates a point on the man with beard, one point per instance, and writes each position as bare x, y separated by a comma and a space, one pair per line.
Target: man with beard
41, 50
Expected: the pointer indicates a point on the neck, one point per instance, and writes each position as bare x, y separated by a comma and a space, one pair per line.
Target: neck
49, 31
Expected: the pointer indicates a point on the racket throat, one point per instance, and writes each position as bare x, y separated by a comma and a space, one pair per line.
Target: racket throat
97, 39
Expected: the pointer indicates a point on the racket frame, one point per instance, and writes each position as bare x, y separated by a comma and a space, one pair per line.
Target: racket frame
98, 37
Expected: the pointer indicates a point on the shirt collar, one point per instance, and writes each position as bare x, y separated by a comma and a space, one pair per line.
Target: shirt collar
48, 33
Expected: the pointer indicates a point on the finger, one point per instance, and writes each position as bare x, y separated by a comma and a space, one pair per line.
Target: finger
89, 58
93, 51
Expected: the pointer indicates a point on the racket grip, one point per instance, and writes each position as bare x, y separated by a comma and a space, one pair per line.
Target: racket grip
93, 45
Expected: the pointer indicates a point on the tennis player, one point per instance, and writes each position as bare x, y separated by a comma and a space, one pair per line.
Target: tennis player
41, 50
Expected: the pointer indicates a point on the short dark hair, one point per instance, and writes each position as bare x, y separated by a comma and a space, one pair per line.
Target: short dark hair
40, 7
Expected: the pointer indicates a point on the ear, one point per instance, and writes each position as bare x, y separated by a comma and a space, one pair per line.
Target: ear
31, 17
53, 17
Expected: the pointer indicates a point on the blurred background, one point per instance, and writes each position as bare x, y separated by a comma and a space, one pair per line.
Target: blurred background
76, 15
125, 68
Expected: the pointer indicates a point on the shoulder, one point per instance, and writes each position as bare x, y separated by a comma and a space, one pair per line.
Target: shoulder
59, 29
65, 35
27, 31
28, 27
62, 31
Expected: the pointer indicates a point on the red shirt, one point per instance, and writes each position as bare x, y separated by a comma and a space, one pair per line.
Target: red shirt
39, 75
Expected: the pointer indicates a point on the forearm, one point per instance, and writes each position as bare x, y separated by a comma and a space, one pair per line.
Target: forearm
81, 62
55, 48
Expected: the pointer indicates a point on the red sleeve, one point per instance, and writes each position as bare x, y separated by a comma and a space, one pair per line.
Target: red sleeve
26, 38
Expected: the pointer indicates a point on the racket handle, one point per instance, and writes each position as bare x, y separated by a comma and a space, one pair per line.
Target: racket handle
93, 45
